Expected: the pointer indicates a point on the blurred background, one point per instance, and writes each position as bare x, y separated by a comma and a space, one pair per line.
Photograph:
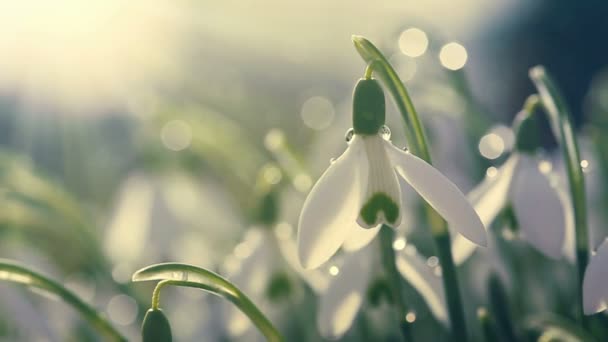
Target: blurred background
140, 132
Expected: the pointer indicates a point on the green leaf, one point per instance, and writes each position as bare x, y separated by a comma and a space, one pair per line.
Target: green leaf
196, 277
13, 272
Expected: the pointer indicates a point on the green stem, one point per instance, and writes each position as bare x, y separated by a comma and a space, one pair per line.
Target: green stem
11, 271
487, 326
196, 277
417, 144
559, 117
452, 288
388, 259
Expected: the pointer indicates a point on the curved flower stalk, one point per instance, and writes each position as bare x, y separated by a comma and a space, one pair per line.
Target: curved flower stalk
346, 293
595, 291
360, 190
191, 276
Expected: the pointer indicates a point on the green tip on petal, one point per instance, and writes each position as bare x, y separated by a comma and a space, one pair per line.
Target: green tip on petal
379, 202
156, 327
368, 107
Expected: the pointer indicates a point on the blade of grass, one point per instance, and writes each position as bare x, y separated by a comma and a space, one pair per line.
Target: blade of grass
13, 272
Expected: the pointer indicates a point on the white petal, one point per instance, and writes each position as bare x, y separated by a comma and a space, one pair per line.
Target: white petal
382, 200
595, 291
359, 237
462, 249
488, 199
417, 273
251, 276
538, 209
440, 193
332, 207
490, 196
317, 279
340, 304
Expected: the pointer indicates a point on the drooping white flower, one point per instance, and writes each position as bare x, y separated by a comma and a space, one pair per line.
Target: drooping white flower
595, 291
360, 189
541, 207
346, 293
252, 266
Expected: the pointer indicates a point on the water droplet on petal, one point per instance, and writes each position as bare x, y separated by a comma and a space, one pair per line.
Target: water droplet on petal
349, 135
385, 132
405, 149
332, 160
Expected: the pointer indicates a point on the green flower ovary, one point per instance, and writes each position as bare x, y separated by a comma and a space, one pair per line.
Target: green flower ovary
368, 107
379, 202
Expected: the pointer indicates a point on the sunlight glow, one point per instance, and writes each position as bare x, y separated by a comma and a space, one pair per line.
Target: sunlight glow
432, 261
453, 56
317, 113
413, 42
275, 138
176, 135
491, 146
302, 182
491, 172
272, 174
545, 166
399, 244
410, 317
77, 54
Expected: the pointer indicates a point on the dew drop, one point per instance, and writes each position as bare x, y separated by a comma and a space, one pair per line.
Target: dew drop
179, 275
332, 160
349, 135
385, 132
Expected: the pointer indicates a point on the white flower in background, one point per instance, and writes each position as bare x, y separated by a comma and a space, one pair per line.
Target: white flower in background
531, 188
342, 300
251, 267
595, 291
262, 266
360, 190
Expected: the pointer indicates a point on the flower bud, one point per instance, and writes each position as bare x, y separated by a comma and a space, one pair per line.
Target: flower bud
156, 327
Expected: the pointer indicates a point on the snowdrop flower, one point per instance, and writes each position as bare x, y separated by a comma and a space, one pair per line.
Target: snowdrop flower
342, 300
595, 292
360, 191
254, 264
531, 188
